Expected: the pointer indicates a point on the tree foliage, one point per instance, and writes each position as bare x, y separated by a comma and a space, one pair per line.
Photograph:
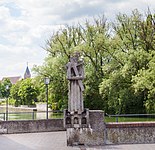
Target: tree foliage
119, 65
124, 85
24, 92
88, 41
3, 91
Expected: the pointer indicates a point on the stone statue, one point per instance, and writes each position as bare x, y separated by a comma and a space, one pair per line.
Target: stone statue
75, 75
81, 128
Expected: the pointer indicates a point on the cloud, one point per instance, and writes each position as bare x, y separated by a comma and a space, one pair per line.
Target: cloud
77, 10
25, 25
13, 61
5, 11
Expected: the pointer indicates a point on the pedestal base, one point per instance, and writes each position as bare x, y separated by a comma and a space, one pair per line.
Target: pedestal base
92, 135
75, 120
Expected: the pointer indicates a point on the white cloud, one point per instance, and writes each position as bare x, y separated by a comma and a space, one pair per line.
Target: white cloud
26, 24
17, 25
5, 12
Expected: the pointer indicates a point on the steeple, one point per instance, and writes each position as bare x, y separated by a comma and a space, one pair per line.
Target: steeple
27, 73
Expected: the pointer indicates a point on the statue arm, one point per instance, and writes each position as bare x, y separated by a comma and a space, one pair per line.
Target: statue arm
68, 70
75, 78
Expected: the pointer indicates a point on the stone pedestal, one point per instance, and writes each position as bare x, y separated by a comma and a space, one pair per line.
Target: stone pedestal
93, 134
75, 120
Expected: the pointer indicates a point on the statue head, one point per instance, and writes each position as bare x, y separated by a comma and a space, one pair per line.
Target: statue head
75, 57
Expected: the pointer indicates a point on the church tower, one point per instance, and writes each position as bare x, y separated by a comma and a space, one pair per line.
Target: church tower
27, 73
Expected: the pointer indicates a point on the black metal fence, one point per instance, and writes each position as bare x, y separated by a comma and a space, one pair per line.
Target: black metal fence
36, 115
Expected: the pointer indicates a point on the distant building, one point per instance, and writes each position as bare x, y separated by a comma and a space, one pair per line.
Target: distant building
13, 80
27, 73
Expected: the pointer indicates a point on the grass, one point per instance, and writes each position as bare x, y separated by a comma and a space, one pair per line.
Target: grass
21, 116
56, 115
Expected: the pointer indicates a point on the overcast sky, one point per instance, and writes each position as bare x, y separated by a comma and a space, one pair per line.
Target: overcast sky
25, 25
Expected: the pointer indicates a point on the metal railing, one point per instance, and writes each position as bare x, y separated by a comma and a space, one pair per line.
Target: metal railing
129, 117
35, 115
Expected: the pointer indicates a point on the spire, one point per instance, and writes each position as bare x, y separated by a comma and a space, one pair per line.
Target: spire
27, 73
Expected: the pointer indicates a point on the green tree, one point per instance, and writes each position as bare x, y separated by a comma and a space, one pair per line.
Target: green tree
91, 40
28, 92
14, 93
5, 92
55, 70
118, 67
133, 44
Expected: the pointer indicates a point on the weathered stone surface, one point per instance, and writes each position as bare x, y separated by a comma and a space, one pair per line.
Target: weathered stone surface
96, 119
75, 75
128, 133
28, 126
3, 130
94, 135
76, 120
75, 116
84, 127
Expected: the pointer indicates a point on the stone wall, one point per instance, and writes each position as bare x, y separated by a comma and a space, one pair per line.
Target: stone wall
42, 107
29, 126
129, 133
16, 109
97, 134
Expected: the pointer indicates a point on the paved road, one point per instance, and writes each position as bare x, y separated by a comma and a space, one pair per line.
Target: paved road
55, 141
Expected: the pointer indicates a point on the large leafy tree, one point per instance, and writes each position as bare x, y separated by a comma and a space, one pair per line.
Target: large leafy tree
133, 43
25, 92
14, 93
91, 40
28, 92
55, 70
119, 67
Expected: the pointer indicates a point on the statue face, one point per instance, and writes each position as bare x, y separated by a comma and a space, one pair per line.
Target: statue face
74, 59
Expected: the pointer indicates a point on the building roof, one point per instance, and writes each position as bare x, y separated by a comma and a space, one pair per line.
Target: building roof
13, 80
27, 73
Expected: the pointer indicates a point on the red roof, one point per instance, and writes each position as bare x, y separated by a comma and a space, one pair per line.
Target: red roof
13, 79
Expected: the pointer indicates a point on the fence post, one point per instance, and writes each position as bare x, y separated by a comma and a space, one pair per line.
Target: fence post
33, 115
4, 116
116, 118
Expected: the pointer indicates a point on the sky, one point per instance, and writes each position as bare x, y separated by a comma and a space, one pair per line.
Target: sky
26, 25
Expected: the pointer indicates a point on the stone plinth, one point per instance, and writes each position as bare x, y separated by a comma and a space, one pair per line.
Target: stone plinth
91, 135
75, 120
